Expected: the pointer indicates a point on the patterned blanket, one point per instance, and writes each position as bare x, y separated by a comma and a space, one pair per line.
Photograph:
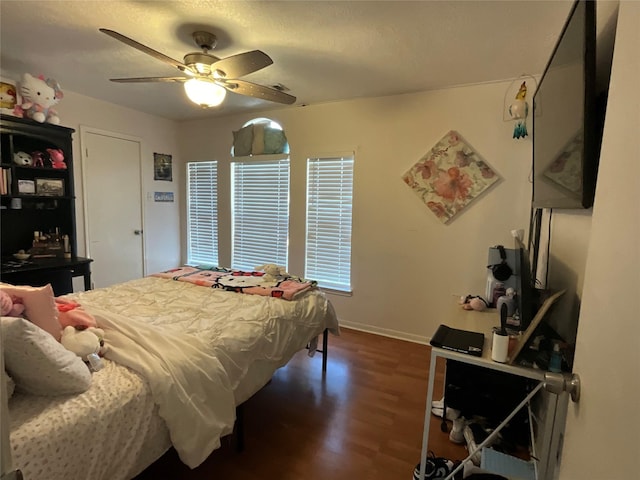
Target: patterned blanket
254, 283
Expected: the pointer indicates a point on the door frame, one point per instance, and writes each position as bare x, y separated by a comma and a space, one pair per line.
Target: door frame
84, 131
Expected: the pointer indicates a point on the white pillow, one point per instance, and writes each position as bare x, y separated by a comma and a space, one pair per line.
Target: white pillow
38, 363
9, 384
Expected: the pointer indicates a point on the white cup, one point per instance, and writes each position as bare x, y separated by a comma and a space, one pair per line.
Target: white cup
500, 347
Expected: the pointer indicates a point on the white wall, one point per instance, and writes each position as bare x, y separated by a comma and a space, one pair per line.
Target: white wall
406, 266
161, 221
603, 429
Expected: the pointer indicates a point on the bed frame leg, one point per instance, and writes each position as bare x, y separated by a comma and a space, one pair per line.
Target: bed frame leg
240, 428
325, 350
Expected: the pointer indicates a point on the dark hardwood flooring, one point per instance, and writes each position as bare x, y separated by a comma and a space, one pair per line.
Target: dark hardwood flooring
362, 420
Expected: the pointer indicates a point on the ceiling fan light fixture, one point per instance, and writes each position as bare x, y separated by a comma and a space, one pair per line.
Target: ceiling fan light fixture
202, 68
204, 93
200, 61
210, 76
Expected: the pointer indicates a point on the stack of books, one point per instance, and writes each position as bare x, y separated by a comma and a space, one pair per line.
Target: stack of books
5, 182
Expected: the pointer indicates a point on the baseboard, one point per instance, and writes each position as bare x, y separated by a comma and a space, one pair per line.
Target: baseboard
385, 332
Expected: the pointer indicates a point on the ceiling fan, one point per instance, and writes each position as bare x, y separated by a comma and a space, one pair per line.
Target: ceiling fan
207, 77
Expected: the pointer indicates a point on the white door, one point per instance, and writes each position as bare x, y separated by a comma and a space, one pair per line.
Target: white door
113, 207
602, 439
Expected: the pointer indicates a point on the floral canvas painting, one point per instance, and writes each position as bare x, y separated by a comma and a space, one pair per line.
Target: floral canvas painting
450, 177
566, 169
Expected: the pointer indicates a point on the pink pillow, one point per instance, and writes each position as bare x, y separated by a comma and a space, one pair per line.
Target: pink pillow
40, 307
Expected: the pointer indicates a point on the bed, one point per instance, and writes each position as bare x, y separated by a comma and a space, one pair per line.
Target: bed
181, 356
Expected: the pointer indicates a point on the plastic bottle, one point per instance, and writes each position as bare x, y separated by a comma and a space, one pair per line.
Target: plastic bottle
498, 291
555, 362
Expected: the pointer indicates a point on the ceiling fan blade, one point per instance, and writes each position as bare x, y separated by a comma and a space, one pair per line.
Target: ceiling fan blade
258, 91
143, 48
149, 79
242, 64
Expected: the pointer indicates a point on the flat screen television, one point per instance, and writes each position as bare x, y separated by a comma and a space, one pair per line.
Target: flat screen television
525, 298
568, 116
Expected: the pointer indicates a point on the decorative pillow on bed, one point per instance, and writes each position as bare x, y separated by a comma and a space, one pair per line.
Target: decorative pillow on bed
40, 306
38, 363
9, 384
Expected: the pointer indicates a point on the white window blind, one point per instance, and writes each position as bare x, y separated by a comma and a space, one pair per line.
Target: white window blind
260, 213
202, 213
329, 205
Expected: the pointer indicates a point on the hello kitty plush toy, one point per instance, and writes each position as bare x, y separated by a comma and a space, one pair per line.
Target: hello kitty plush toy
38, 96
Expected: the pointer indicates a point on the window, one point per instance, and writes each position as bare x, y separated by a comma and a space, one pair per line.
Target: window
202, 213
329, 204
260, 213
243, 139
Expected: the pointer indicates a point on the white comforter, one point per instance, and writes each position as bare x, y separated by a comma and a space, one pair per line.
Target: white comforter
189, 385
194, 346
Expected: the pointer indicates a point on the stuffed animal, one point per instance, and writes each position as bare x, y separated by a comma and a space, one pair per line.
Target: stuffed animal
10, 306
57, 158
38, 98
272, 272
87, 343
7, 96
38, 159
471, 302
23, 159
70, 313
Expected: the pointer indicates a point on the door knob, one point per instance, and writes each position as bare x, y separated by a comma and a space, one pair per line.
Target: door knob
137, 232
563, 382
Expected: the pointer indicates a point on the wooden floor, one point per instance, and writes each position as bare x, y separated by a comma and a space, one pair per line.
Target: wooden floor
362, 420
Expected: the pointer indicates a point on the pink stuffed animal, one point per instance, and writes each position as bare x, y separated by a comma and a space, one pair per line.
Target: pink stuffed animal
57, 158
38, 159
70, 313
10, 306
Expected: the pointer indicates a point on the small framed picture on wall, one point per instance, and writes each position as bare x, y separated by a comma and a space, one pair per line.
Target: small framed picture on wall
162, 167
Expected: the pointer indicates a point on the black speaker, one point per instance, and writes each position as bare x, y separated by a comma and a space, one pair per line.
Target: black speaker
501, 271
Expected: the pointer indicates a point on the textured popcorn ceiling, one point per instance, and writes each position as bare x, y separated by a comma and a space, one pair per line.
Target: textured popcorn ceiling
323, 51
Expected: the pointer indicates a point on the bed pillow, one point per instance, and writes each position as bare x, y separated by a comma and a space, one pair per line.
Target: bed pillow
9, 384
242, 141
38, 363
40, 306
